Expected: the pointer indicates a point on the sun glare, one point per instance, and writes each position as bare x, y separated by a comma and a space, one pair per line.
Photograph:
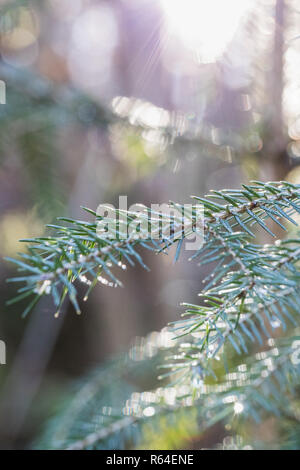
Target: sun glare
205, 26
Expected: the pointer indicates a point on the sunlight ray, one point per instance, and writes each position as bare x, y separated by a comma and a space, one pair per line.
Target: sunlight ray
204, 26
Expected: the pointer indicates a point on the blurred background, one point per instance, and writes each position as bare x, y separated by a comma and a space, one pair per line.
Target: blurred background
154, 99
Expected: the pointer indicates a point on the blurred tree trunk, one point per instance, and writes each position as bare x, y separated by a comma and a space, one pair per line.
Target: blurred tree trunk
275, 160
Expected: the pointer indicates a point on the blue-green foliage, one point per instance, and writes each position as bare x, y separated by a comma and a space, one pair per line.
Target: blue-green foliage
251, 295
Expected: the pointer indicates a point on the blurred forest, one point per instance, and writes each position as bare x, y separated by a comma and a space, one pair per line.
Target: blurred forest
113, 97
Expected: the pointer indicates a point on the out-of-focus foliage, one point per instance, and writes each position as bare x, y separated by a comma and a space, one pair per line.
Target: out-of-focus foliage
36, 134
173, 416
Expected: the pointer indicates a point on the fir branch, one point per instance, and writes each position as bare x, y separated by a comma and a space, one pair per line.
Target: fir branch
56, 262
239, 308
253, 288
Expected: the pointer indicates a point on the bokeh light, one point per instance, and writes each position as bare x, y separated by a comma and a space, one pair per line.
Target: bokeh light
206, 27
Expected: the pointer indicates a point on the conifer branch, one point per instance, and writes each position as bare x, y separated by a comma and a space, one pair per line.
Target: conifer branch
252, 290
57, 261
